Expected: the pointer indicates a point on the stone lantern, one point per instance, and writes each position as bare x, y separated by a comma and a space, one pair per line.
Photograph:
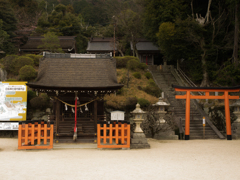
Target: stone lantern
139, 140
138, 114
236, 123
166, 133
160, 107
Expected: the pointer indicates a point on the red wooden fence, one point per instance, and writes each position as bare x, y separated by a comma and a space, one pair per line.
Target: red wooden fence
35, 135
113, 135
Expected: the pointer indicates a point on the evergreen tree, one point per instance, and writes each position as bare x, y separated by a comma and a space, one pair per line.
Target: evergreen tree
51, 43
8, 18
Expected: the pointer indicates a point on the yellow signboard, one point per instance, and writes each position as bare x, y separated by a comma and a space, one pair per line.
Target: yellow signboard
13, 101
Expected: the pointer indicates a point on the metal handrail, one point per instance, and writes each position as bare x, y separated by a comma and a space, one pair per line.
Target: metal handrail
187, 79
202, 112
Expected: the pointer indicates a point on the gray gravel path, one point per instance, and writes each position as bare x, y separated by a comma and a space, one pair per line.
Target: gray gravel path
166, 160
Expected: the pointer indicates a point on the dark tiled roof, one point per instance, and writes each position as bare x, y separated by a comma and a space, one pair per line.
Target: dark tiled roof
101, 39
79, 73
66, 42
145, 45
100, 46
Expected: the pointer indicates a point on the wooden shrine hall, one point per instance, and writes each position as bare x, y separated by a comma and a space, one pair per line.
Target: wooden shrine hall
78, 79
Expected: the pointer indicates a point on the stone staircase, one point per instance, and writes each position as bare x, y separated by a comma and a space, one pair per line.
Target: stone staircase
164, 79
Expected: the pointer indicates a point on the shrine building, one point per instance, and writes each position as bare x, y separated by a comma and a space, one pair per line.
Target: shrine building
87, 77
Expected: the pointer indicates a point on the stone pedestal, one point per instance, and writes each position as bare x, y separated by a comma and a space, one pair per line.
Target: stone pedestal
236, 123
166, 135
236, 130
139, 141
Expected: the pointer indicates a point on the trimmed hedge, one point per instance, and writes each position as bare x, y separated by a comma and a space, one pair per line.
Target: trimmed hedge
143, 102
137, 75
121, 62
142, 66
9, 63
152, 88
132, 64
27, 73
22, 61
148, 75
35, 58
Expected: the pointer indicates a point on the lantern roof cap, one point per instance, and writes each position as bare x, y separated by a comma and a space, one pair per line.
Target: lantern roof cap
236, 104
138, 110
161, 102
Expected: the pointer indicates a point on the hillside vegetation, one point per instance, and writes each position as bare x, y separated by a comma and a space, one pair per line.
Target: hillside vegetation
138, 86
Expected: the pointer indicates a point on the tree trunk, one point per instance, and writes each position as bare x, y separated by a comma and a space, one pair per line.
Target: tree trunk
205, 81
208, 11
235, 47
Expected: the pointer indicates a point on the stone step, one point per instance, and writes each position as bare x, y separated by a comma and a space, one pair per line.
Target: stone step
201, 137
165, 81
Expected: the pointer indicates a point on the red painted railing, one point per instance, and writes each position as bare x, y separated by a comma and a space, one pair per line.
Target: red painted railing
113, 135
35, 135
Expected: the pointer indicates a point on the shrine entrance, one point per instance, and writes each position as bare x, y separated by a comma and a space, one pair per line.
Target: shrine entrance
188, 96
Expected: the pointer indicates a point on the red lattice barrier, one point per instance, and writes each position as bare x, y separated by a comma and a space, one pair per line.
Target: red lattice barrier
35, 135
113, 135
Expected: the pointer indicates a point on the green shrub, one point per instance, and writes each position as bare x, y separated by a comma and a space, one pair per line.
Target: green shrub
39, 102
148, 75
27, 73
9, 63
30, 94
143, 102
121, 62
120, 91
152, 88
9, 80
151, 82
22, 61
130, 104
124, 80
142, 66
132, 64
137, 75
35, 58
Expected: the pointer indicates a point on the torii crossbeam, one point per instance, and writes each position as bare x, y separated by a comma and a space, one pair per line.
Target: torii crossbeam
188, 96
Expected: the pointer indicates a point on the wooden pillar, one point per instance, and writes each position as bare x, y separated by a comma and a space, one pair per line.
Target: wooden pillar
227, 116
95, 116
187, 116
58, 114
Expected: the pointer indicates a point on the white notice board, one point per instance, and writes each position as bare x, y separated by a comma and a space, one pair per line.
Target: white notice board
8, 126
117, 115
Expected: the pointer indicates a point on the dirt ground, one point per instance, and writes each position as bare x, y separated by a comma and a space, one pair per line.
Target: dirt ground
166, 160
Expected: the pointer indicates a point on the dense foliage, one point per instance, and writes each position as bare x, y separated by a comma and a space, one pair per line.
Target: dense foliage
201, 34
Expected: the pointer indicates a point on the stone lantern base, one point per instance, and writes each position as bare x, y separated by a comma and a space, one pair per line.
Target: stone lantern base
139, 141
166, 135
236, 130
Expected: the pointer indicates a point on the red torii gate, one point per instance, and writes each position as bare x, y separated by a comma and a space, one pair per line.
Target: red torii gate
207, 90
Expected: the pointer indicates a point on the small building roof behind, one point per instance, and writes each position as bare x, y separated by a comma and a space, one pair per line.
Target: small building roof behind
67, 43
101, 44
145, 45
76, 73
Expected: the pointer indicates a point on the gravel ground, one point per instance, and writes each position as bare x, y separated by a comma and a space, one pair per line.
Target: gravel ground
175, 159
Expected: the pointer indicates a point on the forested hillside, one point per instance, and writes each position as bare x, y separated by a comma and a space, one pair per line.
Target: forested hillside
203, 35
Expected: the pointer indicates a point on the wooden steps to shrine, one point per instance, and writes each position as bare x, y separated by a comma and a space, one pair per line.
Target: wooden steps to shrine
85, 131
